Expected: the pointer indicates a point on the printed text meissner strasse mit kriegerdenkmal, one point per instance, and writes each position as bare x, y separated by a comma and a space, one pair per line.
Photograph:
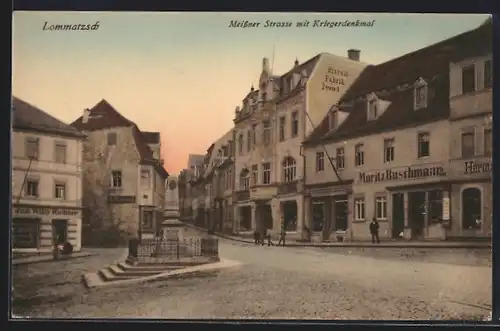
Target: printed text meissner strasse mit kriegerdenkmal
301, 24
70, 27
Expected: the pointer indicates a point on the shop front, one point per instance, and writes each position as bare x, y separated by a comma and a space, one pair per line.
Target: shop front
471, 198
37, 228
327, 210
407, 202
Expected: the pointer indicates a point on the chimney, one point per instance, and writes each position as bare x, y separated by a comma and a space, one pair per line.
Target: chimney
296, 64
86, 115
265, 65
353, 54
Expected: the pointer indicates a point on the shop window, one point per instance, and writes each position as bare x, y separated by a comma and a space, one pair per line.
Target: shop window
471, 208
60, 231
318, 211
320, 161
381, 208
435, 209
359, 209
25, 233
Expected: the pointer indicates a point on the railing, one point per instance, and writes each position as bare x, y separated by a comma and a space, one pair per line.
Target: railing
243, 195
288, 188
174, 249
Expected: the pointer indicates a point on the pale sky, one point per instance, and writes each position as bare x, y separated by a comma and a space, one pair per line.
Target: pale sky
183, 74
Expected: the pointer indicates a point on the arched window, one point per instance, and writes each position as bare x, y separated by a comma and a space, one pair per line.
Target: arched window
289, 169
471, 208
240, 144
244, 179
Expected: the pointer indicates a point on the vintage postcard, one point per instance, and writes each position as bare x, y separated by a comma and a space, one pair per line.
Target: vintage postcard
251, 166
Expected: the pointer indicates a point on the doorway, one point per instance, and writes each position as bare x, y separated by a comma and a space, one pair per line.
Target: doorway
245, 218
341, 214
59, 231
398, 214
416, 213
290, 215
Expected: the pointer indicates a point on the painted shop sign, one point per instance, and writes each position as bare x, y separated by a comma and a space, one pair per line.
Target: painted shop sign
472, 167
44, 211
334, 78
408, 173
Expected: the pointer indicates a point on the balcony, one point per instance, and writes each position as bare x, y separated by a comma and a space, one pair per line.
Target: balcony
243, 195
288, 188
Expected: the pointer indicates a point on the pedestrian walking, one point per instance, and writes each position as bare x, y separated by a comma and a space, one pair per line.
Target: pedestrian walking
269, 241
282, 237
263, 236
256, 237
374, 227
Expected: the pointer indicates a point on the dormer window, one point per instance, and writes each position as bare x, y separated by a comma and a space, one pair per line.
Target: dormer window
372, 107
332, 120
420, 94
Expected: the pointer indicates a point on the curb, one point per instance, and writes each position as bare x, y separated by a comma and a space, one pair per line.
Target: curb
205, 267
51, 259
361, 245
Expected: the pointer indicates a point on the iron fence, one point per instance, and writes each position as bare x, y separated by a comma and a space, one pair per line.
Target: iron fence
174, 249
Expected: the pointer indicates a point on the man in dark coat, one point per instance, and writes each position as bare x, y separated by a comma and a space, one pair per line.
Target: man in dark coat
374, 227
282, 237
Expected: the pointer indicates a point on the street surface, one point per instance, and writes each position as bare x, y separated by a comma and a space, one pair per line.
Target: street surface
276, 283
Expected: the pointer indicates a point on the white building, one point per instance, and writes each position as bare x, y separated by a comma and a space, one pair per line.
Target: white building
46, 181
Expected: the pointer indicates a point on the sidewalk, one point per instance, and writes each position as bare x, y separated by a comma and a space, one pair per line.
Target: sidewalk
388, 243
47, 258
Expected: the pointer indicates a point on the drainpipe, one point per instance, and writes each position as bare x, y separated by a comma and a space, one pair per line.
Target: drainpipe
301, 152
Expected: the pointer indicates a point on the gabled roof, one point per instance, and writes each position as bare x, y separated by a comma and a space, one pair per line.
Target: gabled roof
104, 116
388, 80
29, 117
195, 160
150, 137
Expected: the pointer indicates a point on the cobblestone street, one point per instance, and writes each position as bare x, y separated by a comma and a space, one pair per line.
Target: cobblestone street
276, 282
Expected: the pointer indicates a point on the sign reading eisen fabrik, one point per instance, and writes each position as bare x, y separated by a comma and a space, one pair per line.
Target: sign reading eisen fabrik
334, 78
409, 173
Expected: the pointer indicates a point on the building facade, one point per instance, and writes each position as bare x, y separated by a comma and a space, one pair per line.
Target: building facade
187, 191
269, 129
124, 185
46, 181
396, 142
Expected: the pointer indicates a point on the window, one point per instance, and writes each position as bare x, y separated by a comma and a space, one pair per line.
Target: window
266, 137
266, 173
488, 74
372, 110
254, 134
435, 209
487, 142
60, 191
145, 179
423, 144
295, 124
340, 158
381, 208
255, 174
249, 140
359, 155
147, 220
112, 139
282, 128
332, 120
60, 152
468, 149
31, 188
320, 161
289, 170
244, 179
240, 144
468, 79
388, 150
471, 208
420, 96
359, 209
116, 179
32, 148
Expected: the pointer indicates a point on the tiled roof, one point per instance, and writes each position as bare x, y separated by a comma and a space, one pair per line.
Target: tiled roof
104, 116
29, 117
150, 137
431, 63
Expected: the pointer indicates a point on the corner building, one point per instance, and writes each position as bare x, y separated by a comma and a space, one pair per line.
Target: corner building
392, 138
269, 129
